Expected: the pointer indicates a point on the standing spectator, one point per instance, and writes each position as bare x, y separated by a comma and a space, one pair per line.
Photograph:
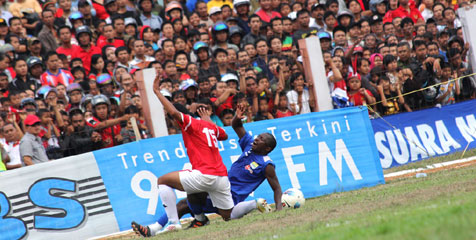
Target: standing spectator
31, 147
242, 8
20, 6
108, 38
87, 49
254, 22
405, 9
53, 74
47, 34
141, 60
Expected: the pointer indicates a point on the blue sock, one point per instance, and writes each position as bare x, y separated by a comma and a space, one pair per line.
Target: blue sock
163, 220
196, 209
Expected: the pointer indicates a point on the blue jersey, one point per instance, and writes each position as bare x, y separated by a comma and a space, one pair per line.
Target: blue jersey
248, 172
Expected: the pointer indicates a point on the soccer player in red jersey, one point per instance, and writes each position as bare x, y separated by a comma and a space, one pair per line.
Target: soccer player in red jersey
208, 172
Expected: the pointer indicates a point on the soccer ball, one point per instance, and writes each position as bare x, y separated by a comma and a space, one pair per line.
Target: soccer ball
293, 198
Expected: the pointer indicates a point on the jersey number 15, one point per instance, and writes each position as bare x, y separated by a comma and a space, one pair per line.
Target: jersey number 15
210, 133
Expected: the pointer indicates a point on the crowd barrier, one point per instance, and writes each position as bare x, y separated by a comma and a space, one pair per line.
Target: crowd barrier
101, 192
413, 136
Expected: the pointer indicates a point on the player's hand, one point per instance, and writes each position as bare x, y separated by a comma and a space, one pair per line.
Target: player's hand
204, 114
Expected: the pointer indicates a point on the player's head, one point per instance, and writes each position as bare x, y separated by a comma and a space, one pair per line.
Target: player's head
263, 144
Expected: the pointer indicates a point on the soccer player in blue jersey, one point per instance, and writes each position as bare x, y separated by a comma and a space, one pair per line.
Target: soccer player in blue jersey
245, 175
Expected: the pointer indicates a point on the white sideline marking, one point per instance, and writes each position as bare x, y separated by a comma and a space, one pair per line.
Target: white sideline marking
433, 166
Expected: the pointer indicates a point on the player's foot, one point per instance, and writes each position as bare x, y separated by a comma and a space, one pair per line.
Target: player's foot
262, 205
196, 224
140, 230
170, 227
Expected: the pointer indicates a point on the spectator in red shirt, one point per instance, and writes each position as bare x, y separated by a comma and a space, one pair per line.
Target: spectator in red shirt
266, 12
87, 49
108, 38
404, 10
66, 48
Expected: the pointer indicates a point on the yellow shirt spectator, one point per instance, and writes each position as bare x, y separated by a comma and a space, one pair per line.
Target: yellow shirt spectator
219, 3
30, 6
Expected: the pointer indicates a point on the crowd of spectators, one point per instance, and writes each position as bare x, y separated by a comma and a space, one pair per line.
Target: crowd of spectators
68, 68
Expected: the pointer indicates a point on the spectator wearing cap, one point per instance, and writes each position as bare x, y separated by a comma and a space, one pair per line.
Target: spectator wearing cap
34, 46
325, 40
221, 34
405, 9
101, 121
215, 15
317, 16
32, 150
64, 34
22, 81
54, 75
147, 17
86, 49
108, 38
35, 68
79, 137
130, 26
242, 8
266, 12
47, 33
376, 25
75, 94
13, 135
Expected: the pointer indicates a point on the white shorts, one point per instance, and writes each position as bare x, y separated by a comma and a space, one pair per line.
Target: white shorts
217, 187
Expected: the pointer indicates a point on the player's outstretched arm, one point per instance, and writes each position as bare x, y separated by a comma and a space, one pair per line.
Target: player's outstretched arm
273, 181
169, 107
236, 122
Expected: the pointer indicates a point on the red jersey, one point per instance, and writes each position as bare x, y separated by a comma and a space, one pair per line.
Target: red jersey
64, 77
400, 12
357, 98
107, 134
86, 56
68, 51
102, 41
265, 17
201, 140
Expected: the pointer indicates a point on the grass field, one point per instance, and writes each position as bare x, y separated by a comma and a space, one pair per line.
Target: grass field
439, 206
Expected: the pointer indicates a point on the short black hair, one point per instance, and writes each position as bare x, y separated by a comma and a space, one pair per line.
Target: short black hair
219, 50
270, 141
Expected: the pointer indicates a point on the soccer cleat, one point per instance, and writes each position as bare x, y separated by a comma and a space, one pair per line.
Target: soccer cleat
140, 230
263, 205
170, 227
196, 224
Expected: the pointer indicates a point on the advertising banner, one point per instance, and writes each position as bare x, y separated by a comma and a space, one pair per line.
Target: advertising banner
426, 133
100, 193
62, 199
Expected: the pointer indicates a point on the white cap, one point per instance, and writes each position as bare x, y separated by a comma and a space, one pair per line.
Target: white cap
214, 10
292, 15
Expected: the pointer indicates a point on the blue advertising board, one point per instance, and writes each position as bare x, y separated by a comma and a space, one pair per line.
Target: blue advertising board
319, 153
413, 136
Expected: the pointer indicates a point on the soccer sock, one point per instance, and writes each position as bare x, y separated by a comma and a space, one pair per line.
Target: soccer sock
155, 227
197, 211
243, 208
163, 220
169, 201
